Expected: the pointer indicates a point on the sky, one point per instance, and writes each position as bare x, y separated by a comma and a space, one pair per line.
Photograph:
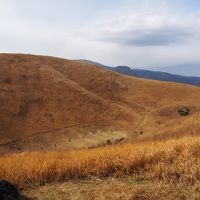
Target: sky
146, 34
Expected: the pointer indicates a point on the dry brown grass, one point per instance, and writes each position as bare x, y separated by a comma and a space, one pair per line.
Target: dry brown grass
176, 161
167, 128
46, 100
114, 189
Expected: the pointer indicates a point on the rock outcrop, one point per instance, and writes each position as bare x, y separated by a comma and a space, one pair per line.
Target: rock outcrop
184, 111
8, 191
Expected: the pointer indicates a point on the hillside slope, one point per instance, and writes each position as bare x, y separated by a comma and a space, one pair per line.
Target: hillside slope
53, 103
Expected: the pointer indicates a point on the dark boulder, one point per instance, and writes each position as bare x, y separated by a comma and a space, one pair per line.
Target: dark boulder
184, 111
8, 191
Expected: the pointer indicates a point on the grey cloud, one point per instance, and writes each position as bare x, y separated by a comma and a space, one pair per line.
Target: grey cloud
154, 37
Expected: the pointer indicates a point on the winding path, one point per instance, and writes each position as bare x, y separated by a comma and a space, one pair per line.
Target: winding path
49, 131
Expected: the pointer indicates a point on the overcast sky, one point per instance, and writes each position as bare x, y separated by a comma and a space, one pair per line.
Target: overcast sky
138, 33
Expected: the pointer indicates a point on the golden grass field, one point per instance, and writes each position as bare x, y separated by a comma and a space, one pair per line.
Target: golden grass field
168, 169
114, 189
173, 161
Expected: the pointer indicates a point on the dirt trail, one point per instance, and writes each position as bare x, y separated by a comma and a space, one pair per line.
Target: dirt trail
49, 131
144, 118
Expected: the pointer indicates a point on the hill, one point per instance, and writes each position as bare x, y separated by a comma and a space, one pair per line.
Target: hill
51, 103
155, 75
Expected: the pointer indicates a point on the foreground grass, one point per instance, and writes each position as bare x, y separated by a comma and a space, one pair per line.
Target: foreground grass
114, 189
173, 161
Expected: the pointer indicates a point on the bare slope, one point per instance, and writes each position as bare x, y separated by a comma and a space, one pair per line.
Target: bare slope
49, 103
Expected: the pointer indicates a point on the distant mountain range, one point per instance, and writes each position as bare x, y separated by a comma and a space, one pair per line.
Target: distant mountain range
149, 74
181, 69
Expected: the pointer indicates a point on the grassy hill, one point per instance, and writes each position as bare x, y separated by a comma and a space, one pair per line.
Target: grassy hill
51, 103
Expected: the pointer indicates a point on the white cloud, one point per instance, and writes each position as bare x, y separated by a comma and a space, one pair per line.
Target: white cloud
136, 33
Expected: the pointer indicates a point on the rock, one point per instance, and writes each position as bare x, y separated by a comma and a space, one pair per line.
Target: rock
8, 191
184, 111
